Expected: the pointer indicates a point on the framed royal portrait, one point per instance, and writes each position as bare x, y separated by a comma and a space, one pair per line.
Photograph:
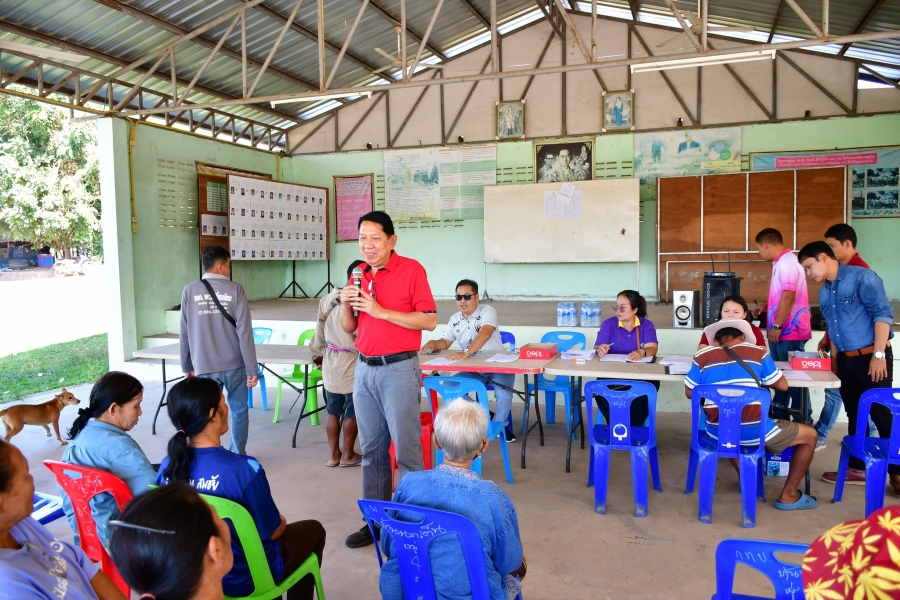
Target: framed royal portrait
510, 120
569, 160
618, 110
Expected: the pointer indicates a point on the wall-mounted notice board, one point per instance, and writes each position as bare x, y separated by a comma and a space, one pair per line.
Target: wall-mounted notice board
273, 220
703, 222
354, 196
213, 204
535, 223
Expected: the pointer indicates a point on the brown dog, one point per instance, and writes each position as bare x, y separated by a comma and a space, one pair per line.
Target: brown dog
15, 418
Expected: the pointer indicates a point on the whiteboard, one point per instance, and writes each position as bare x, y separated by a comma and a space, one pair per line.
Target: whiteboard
517, 231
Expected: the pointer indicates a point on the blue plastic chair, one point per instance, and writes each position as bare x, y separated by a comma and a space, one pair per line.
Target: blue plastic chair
731, 400
411, 539
760, 555
506, 338
876, 452
565, 340
261, 335
46, 508
639, 441
453, 388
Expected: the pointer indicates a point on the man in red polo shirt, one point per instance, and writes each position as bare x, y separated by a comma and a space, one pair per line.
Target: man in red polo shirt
394, 305
841, 238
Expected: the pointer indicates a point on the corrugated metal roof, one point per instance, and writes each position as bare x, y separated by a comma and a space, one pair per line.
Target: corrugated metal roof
97, 26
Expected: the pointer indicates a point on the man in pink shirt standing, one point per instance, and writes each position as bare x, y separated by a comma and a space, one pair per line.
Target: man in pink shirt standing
787, 310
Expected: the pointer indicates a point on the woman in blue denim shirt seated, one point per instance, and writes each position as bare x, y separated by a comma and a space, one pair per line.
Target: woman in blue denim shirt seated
101, 441
459, 430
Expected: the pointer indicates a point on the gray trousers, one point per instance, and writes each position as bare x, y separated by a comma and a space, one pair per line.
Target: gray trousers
386, 400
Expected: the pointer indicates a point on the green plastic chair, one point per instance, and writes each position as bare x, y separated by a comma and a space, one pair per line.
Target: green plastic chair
264, 587
310, 382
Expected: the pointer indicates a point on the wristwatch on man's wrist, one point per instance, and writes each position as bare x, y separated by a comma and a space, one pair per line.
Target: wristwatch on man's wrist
776, 327
878, 355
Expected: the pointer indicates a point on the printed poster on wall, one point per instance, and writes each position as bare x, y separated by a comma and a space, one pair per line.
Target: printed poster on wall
353, 197
684, 152
273, 220
438, 183
874, 174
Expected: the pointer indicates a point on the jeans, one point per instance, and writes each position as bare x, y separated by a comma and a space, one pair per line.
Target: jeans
235, 384
830, 410
386, 400
780, 351
503, 397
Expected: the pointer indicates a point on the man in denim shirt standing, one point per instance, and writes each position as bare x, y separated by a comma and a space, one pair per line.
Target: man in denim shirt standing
859, 316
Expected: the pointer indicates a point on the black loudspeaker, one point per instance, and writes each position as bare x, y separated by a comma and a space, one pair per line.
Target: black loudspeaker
717, 287
686, 309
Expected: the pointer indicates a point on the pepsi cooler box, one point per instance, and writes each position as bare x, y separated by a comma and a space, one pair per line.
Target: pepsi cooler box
538, 351
778, 465
809, 361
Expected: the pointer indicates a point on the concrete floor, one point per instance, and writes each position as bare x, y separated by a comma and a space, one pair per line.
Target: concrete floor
572, 551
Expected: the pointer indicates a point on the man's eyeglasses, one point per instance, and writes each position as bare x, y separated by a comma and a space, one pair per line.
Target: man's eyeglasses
621, 307
466, 297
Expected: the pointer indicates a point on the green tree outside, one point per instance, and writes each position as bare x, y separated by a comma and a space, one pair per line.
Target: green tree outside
49, 177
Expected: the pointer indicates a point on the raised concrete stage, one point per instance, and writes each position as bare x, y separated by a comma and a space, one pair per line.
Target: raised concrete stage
527, 320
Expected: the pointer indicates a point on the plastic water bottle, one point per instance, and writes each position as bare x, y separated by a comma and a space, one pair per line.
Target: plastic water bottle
573, 314
560, 315
598, 314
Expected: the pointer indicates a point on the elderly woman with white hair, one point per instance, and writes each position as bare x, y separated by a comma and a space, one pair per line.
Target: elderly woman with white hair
459, 429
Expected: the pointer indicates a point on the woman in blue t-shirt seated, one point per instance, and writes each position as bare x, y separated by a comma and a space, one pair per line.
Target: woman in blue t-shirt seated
198, 410
171, 545
630, 333
459, 429
33, 563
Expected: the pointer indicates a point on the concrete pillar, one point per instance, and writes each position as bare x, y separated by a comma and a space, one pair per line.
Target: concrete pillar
115, 199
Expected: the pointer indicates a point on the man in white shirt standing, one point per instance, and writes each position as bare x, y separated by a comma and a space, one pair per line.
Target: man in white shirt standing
476, 328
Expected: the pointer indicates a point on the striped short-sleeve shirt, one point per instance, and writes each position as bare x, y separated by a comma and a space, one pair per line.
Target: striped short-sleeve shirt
713, 365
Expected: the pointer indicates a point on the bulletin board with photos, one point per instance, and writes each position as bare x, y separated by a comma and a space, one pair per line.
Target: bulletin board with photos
274, 220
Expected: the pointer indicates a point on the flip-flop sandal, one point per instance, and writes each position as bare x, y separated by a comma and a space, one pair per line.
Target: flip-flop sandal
804, 503
353, 464
332, 464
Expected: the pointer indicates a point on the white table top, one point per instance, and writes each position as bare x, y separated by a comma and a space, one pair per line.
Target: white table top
478, 364
656, 372
265, 353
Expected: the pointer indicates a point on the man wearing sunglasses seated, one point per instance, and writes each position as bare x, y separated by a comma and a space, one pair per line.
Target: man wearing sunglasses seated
477, 329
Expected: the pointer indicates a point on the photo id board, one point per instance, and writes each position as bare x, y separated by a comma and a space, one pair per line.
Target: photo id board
274, 220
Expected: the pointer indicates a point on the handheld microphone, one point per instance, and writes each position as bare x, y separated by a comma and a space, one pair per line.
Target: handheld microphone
357, 281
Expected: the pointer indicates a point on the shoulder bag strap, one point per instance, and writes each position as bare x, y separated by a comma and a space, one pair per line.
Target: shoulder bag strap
218, 304
741, 362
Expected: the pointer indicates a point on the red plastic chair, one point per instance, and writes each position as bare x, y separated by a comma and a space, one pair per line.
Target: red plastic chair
80, 491
427, 430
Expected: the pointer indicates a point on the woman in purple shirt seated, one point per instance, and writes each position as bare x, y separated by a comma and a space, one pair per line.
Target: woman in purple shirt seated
33, 563
629, 332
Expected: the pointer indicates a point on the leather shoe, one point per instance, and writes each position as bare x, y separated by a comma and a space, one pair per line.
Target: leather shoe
854, 477
895, 484
361, 538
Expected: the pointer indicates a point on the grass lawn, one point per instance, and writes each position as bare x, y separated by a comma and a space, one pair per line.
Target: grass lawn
52, 367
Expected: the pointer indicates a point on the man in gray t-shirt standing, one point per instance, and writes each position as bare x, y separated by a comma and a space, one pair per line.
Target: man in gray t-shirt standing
220, 346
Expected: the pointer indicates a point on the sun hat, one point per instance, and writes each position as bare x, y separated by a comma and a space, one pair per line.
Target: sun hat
740, 324
856, 559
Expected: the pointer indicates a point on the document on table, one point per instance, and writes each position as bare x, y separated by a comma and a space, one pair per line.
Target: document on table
579, 354
439, 362
503, 358
797, 376
624, 358
676, 359
679, 368
783, 365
